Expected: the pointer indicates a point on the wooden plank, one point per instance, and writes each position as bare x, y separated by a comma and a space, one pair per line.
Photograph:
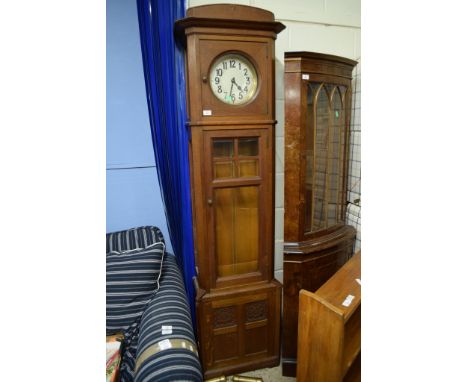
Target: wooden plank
329, 333
342, 284
320, 341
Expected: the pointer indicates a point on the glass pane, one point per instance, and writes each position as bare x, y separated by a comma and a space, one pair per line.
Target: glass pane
311, 91
248, 168
320, 159
236, 225
334, 158
343, 90
223, 148
248, 146
223, 170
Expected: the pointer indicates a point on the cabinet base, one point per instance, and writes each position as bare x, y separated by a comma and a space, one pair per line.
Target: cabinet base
289, 367
238, 328
308, 265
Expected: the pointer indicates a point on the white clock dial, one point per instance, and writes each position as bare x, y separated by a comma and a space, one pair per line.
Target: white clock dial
233, 79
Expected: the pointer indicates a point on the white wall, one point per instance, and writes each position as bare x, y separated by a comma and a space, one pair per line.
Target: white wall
353, 215
324, 26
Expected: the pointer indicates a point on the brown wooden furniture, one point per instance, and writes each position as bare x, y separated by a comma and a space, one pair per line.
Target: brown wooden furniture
316, 240
230, 58
329, 342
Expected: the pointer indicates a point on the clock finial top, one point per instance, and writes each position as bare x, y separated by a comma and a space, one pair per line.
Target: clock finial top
230, 16
231, 11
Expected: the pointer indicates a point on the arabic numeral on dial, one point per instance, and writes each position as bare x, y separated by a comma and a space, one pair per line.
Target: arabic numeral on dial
233, 97
245, 71
240, 95
232, 63
246, 89
248, 81
219, 72
224, 65
240, 66
220, 90
216, 80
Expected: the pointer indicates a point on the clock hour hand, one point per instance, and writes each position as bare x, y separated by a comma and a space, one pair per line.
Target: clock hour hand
235, 83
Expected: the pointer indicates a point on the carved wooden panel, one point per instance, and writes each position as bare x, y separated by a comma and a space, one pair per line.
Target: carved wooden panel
256, 311
225, 316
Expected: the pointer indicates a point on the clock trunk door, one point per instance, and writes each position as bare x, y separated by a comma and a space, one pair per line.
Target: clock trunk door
237, 184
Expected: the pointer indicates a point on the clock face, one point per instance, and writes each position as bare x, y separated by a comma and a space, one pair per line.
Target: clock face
233, 79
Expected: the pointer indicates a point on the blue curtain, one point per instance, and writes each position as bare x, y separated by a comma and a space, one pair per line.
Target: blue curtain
163, 65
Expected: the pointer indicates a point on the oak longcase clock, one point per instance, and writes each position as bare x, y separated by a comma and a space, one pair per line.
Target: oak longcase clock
230, 90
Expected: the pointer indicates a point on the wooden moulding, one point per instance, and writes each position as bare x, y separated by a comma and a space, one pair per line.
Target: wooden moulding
236, 17
314, 246
318, 63
231, 12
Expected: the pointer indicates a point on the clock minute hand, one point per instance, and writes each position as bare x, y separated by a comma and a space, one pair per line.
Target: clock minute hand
230, 91
233, 81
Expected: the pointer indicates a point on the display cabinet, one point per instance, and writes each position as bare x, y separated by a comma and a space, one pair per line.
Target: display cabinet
316, 240
230, 87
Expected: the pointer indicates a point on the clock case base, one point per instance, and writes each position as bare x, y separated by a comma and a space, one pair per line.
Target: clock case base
238, 328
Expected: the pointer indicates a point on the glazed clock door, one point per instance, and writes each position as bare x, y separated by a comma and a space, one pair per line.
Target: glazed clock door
237, 185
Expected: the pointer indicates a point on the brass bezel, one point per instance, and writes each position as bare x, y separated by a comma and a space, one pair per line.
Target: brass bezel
246, 61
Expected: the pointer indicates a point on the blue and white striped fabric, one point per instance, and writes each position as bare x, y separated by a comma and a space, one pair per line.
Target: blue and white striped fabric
132, 280
127, 363
169, 308
132, 277
140, 237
